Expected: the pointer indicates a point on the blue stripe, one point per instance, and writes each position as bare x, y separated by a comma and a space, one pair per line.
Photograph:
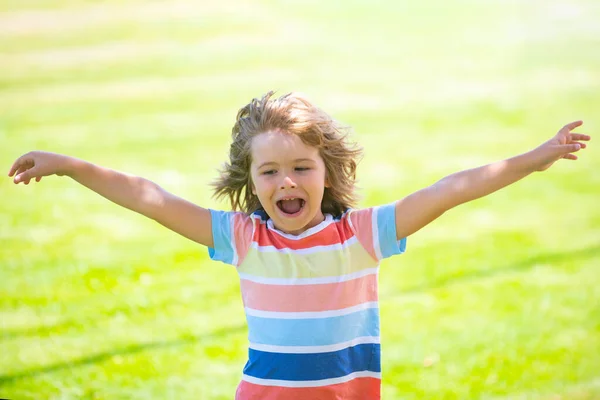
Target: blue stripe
222, 249
386, 229
313, 331
309, 367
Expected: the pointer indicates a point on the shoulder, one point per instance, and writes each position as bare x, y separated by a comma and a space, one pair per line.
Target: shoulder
372, 216
375, 228
231, 224
232, 235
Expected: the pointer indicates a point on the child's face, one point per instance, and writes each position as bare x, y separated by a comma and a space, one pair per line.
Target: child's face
288, 178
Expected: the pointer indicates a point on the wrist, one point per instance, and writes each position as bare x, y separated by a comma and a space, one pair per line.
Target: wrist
532, 160
541, 157
69, 166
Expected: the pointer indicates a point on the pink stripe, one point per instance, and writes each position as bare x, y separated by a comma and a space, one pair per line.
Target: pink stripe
356, 389
317, 297
242, 231
362, 220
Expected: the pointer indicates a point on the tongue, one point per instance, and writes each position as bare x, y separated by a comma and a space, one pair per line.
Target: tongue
291, 206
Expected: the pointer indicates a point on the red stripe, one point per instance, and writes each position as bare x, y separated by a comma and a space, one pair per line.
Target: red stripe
317, 297
335, 233
356, 389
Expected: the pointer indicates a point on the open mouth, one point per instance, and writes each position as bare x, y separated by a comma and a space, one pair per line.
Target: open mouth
291, 206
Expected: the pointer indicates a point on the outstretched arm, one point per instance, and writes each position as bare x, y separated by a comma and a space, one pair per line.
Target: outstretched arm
132, 192
422, 207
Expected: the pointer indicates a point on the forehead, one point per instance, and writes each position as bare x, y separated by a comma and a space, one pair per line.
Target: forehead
280, 147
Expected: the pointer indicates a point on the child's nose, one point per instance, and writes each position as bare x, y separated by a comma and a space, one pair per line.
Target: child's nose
288, 183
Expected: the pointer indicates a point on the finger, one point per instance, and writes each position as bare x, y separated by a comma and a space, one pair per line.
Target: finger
582, 145
569, 148
25, 176
20, 170
579, 136
13, 167
39, 178
20, 162
570, 156
572, 125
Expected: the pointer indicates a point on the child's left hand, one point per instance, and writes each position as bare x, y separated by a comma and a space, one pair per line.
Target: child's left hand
562, 145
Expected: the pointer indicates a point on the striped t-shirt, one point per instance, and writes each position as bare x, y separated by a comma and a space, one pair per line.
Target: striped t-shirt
311, 302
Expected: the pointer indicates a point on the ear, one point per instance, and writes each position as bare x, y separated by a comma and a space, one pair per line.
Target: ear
252, 188
327, 184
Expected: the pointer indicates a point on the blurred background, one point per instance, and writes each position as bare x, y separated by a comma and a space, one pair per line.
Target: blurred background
497, 299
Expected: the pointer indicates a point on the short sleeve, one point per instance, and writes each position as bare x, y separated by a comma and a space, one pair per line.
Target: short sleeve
375, 229
232, 235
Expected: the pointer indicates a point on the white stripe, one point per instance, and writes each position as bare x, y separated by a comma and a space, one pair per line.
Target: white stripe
322, 382
314, 349
376, 233
235, 254
317, 228
309, 281
308, 250
350, 221
310, 314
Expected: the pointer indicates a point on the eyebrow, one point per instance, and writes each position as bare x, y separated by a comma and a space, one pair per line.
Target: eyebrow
274, 163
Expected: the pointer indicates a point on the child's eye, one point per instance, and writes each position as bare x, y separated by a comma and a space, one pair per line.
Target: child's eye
269, 172
302, 168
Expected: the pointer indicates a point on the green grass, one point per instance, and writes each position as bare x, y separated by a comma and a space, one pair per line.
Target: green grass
498, 299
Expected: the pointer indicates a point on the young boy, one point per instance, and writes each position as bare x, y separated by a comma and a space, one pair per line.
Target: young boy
307, 260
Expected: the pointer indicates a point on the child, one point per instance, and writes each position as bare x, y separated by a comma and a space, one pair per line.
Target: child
307, 260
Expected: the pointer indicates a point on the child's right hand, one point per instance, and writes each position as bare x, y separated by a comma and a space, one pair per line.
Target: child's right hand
36, 164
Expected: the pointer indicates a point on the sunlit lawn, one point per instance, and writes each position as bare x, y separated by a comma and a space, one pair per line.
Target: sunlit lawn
498, 299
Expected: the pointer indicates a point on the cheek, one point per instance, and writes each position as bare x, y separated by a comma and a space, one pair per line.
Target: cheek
262, 188
317, 186
256, 184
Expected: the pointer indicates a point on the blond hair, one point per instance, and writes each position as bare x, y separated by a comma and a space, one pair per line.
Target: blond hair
295, 115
